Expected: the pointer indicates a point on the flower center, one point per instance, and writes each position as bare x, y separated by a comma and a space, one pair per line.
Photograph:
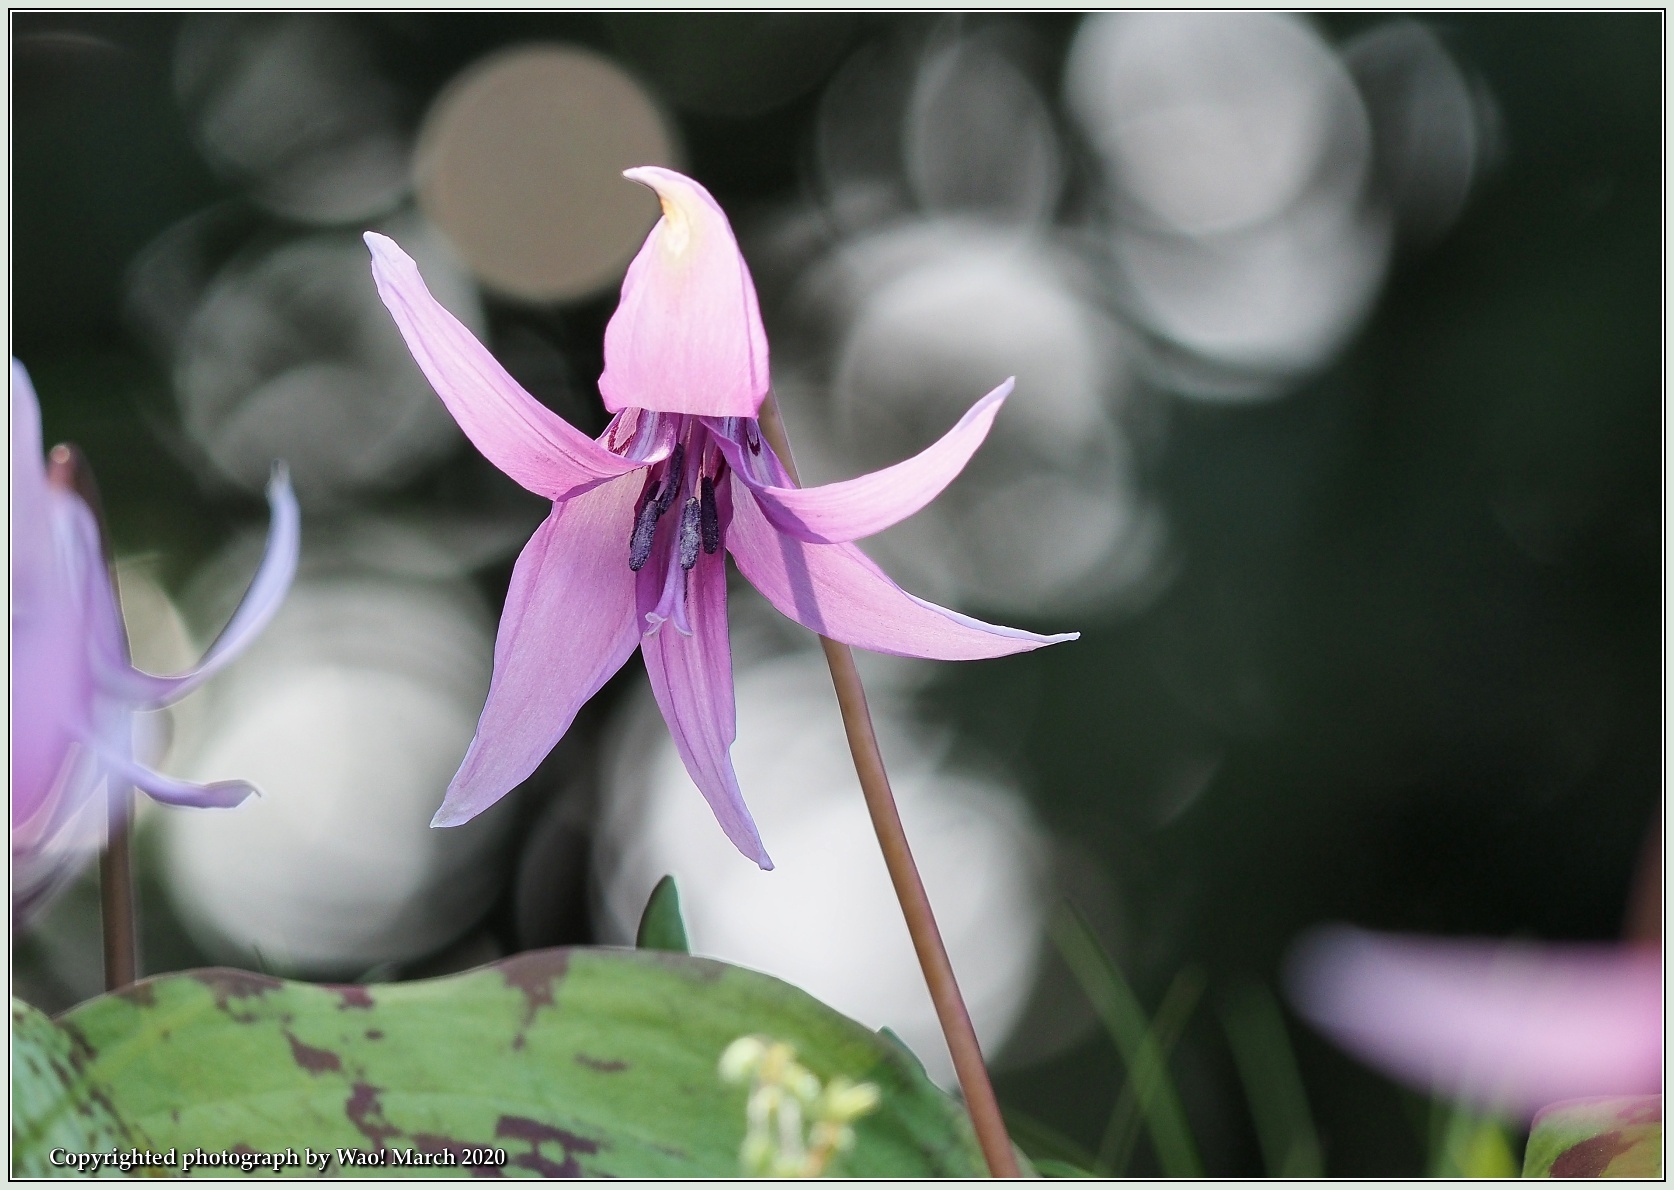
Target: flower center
686, 479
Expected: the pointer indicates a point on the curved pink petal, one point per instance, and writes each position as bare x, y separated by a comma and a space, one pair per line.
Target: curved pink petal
261, 600
687, 336
569, 624
691, 677
839, 592
515, 432
1508, 1026
870, 504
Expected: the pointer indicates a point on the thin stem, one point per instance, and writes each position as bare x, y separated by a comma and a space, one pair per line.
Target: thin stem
961, 1037
116, 894
67, 469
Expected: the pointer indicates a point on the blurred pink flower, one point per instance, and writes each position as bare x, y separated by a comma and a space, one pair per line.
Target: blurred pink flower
74, 691
639, 515
1507, 1026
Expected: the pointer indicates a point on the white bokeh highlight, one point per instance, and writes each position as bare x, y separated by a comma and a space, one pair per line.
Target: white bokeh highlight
290, 354
350, 713
826, 918
1246, 235
929, 315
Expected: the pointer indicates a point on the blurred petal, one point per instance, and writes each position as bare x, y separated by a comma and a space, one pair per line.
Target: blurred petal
515, 432
262, 599
30, 540
870, 504
52, 636
687, 336
215, 795
568, 625
691, 677
837, 591
1504, 1025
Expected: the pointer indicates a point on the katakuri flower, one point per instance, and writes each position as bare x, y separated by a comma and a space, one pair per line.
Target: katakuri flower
1506, 1026
75, 692
632, 554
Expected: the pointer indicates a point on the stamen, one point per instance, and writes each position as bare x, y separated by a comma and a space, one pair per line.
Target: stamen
709, 518
645, 531
689, 533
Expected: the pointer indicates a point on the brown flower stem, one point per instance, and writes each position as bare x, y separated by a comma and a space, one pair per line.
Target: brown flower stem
903, 873
67, 469
116, 894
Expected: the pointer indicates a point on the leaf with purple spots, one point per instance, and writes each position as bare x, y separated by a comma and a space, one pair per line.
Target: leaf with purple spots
55, 1105
1612, 1137
585, 1062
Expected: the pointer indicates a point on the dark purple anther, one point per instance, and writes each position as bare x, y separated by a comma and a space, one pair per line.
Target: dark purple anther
709, 520
645, 530
689, 535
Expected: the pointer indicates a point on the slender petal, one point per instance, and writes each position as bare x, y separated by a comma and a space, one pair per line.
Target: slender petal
869, 504
515, 432
687, 336
215, 795
1507, 1026
262, 599
691, 677
839, 592
569, 624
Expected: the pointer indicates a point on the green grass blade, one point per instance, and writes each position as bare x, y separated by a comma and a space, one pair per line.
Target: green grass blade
1125, 1021
1122, 1133
1272, 1083
1472, 1144
1042, 1142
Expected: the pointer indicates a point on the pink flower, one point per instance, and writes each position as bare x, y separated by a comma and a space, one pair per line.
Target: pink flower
640, 516
74, 691
1504, 1025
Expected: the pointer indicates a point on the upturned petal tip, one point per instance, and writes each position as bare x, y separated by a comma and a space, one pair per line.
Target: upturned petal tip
687, 336
860, 507
260, 604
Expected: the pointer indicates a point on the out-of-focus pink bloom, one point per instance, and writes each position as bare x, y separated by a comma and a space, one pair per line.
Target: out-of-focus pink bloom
74, 691
640, 515
1508, 1026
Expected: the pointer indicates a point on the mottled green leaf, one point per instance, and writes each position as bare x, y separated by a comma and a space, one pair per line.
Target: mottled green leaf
1615, 1137
587, 1062
55, 1105
661, 927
